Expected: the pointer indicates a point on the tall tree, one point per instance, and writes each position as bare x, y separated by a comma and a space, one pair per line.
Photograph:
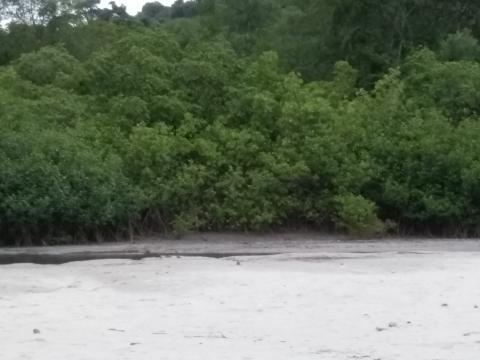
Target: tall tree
33, 11
154, 13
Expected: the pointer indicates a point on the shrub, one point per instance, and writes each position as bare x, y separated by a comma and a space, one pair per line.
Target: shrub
357, 216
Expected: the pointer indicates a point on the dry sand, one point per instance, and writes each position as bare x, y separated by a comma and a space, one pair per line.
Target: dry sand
329, 306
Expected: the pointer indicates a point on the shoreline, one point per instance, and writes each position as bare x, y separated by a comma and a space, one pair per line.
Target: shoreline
229, 245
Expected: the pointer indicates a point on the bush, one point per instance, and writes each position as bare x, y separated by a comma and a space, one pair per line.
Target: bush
357, 216
146, 134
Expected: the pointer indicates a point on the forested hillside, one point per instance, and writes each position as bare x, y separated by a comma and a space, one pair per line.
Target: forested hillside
360, 116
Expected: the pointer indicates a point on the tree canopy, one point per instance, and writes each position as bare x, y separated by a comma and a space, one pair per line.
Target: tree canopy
354, 116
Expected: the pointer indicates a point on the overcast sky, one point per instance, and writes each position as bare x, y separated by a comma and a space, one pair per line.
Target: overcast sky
134, 6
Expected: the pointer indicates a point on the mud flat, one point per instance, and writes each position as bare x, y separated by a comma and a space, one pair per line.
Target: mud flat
228, 245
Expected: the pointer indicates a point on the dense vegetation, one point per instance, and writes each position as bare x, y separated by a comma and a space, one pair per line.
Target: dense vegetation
358, 116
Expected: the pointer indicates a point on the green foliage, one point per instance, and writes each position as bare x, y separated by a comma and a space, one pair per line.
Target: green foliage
154, 13
460, 46
55, 184
357, 216
226, 115
50, 66
451, 86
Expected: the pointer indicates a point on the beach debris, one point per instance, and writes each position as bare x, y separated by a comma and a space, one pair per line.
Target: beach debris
471, 333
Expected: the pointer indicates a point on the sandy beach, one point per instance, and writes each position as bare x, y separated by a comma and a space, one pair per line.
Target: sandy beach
329, 306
